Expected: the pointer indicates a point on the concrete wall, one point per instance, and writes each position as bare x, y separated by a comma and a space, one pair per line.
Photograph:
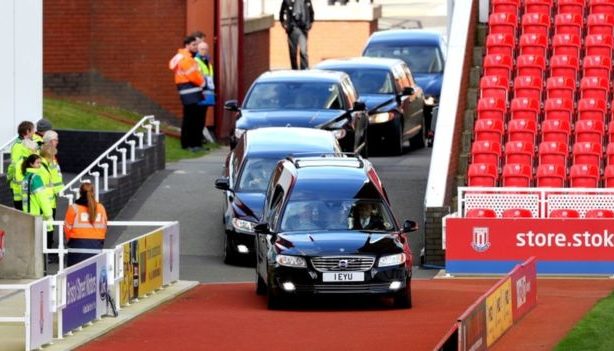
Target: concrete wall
21, 83
78, 148
23, 258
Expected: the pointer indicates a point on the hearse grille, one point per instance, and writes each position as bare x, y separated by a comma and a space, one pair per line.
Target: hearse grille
342, 263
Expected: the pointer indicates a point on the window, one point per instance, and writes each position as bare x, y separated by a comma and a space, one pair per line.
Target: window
295, 96
420, 59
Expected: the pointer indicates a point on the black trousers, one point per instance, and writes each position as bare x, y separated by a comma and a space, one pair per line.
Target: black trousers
18, 205
192, 126
74, 258
297, 39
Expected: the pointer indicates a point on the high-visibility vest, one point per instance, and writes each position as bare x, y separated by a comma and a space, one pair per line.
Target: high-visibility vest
188, 78
38, 140
36, 196
77, 223
52, 177
19, 152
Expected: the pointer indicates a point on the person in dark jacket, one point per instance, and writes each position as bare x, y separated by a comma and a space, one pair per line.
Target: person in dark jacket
296, 17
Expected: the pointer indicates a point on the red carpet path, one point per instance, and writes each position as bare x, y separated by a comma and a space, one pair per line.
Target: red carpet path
233, 317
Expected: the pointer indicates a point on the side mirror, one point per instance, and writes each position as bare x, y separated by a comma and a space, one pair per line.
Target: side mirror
408, 91
222, 183
409, 226
231, 105
262, 228
359, 106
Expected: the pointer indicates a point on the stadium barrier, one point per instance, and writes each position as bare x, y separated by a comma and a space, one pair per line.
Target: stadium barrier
110, 159
562, 244
493, 313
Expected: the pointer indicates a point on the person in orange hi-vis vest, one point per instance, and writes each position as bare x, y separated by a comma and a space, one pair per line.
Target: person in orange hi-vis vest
190, 83
85, 225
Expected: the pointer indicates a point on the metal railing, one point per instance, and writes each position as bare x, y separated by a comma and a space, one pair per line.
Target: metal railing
5, 149
108, 160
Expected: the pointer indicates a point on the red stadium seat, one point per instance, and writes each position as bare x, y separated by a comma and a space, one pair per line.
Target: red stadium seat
519, 152
522, 130
566, 44
594, 109
533, 44
538, 6
517, 213
601, 6
550, 176
608, 176
485, 151
600, 23
599, 213
558, 108
584, 176
609, 153
482, 174
500, 44
561, 87
594, 88
502, 22
530, 65
564, 213
587, 153
524, 108
589, 131
494, 86
599, 44
491, 108
556, 130
564, 66
489, 129
537, 23
553, 152
569, 23
480, 213
505, 6
517, 175
571, 6
596, 66
528, 87
498, 65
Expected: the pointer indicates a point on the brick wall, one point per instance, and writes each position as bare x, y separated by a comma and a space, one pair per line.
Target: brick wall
114, 51
324, 42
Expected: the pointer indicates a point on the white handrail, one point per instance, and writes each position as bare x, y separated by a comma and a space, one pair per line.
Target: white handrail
5, 149
147, 122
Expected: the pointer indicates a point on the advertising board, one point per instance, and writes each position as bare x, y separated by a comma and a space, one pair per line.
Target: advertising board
150, 263
561, 246
524, 289
41, 315
171, 254
498, 311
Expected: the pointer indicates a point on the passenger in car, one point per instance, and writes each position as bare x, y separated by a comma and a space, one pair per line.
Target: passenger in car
304, 218
367, 217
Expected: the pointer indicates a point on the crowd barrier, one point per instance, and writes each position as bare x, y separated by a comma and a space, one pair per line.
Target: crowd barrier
111, 279
109, 159
503, 305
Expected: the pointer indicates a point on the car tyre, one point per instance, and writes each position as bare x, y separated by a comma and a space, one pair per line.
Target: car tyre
274, 301
261, 288
402, 299
395, 141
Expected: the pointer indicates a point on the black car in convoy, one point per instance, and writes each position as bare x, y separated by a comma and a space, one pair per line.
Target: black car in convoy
327, 228
308, 98
246, 176
394, 101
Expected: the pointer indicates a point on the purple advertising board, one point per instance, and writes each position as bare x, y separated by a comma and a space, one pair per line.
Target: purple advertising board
81, 293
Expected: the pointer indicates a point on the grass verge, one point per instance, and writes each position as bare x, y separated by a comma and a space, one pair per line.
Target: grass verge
593, 331
77, 115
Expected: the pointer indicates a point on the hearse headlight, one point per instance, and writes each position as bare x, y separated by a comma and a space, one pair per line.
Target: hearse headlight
391, 260
291, 261
381, 117
239, 132
243, 225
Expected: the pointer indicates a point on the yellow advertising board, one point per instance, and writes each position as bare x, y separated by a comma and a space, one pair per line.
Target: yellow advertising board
126, 285
150, 263
498, 312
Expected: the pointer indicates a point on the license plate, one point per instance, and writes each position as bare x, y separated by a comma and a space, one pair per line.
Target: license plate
344, 277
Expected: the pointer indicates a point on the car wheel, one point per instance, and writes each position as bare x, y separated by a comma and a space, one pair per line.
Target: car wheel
418, 141
274, 302
395, 140
402, 299
229, 255
261, 288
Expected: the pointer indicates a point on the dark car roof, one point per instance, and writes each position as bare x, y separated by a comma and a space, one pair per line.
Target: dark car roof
281, 141
360, 62
415, 36
300, 75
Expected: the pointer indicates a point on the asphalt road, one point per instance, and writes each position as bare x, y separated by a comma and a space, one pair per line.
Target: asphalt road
185, 192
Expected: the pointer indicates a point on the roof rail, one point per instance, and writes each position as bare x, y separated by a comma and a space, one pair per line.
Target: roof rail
341, 157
